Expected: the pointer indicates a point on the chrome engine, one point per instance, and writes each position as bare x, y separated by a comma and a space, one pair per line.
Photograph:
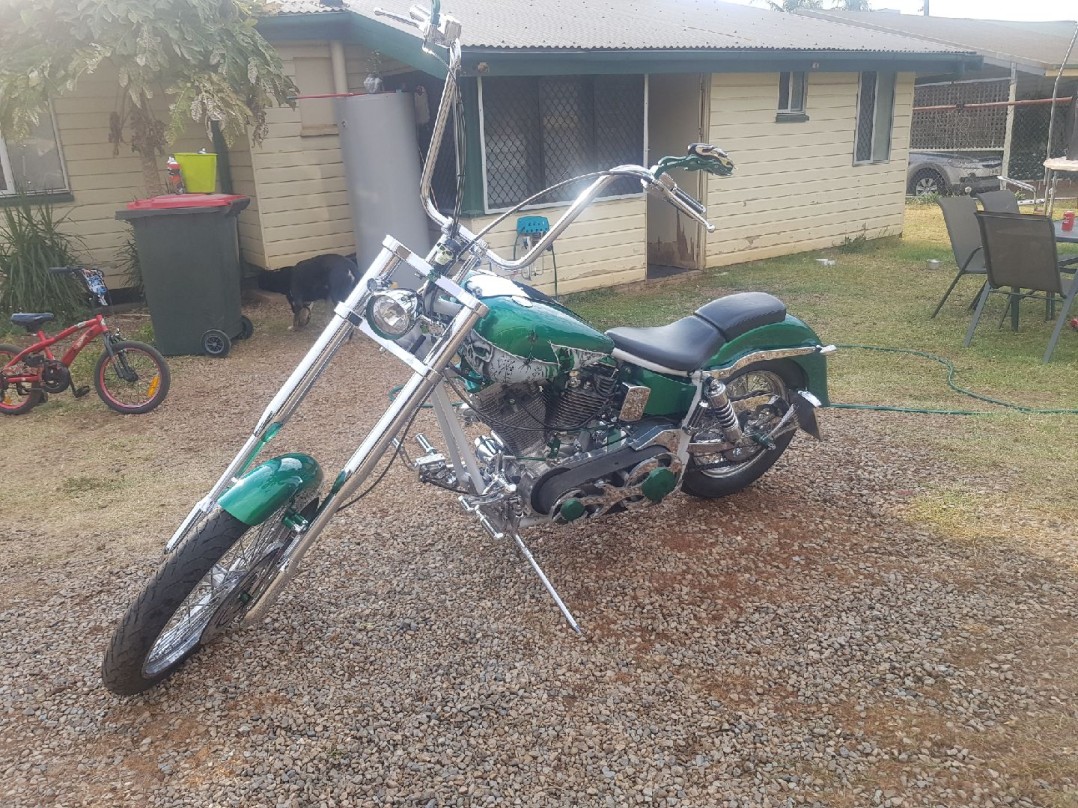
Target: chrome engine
527, 416
549, 441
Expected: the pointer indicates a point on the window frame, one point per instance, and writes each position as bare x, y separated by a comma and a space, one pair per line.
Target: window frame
9, 175
873, 159
487, 209
789, 114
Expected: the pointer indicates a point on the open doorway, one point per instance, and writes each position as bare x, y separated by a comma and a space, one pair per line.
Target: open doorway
676, 118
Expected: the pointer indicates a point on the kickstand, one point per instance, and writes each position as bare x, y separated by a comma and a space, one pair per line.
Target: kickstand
546, 582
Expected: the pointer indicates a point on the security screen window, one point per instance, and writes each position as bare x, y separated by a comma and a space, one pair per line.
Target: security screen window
875, 117
541, 130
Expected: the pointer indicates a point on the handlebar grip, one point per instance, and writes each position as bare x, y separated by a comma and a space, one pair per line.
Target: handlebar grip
691, 201
62, 270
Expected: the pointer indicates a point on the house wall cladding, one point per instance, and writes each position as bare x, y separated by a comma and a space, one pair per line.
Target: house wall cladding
795, 187
606, 246
101, 182
298, 177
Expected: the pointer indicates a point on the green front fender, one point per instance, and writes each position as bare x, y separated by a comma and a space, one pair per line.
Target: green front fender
790, 333
269, 485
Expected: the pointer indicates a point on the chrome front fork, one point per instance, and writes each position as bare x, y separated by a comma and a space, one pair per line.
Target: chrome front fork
426, 375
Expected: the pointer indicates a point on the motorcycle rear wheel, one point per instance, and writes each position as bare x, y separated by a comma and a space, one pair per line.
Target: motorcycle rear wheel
723, 474
203, 588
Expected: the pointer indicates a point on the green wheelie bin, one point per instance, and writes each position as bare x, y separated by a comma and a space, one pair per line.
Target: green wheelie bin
188, 251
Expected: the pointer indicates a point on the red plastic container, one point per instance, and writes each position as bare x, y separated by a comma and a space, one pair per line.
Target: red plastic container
1068, 220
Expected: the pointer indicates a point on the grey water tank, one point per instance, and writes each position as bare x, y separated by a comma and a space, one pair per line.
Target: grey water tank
381, 162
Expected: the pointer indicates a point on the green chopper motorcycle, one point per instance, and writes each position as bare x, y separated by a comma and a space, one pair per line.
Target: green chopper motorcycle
580, 423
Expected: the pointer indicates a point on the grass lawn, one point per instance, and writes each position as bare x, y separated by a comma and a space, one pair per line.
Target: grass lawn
882, 294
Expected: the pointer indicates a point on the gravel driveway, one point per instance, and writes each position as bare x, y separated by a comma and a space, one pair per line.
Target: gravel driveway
801, 643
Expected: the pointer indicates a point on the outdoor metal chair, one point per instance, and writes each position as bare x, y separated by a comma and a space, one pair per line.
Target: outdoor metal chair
960, 215
1020, 253
1002, 201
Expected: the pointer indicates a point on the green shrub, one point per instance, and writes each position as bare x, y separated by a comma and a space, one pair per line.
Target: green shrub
30, 243
127, 261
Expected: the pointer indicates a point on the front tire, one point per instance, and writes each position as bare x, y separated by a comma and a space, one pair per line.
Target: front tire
203, 588
927, 182
725, 473
133, 378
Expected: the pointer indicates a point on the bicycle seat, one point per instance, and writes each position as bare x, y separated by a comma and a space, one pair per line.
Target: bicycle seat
32, 322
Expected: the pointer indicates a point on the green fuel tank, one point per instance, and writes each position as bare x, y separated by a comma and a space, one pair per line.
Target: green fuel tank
527, 338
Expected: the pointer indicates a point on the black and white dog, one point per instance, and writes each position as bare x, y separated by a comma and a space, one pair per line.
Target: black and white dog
323, 277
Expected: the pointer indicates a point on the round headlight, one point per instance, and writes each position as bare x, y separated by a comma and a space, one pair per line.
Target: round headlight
394, 313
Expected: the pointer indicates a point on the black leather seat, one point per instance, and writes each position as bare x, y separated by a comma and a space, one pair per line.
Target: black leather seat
733, 315
685, 344
688, 343
32, 322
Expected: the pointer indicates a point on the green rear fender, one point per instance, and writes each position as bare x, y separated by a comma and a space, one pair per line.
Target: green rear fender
269, 485
790, 333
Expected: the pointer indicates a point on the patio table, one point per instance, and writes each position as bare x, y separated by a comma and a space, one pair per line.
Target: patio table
1066, 236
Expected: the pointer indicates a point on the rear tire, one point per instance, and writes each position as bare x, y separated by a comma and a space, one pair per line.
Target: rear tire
218, 575
16, 400
730, 474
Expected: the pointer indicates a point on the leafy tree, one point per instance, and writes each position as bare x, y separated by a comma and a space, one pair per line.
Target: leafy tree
852, 5
204, 57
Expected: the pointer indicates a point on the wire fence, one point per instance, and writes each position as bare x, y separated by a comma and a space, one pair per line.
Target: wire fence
542, 130
977, 117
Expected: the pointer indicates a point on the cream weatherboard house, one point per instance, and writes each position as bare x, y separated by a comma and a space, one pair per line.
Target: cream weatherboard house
815, 113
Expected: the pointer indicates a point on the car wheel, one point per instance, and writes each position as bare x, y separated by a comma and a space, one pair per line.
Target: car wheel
926, 182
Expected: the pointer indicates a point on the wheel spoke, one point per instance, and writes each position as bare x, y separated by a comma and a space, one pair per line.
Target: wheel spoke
207, 609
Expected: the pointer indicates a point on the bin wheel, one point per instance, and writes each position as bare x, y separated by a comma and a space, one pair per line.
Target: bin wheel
247, 328
216, 343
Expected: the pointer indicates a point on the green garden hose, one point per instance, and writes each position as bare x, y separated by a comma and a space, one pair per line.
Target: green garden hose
951, 373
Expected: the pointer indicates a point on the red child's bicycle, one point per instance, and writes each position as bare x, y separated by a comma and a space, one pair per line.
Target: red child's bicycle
131, 377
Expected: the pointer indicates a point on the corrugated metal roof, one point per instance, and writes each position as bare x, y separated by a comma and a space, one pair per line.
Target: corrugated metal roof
647, 25
1043, 44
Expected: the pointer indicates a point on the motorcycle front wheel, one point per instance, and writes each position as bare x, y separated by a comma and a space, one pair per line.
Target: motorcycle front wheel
756, 393
204, 587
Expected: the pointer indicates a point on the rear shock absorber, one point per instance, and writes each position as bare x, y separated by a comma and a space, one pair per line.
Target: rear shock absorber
719, 401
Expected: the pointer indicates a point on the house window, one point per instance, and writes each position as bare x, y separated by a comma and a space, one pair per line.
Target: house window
33, 165
792, 96
539, 131
875, 116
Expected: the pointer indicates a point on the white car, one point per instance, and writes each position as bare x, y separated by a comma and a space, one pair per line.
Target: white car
951, 173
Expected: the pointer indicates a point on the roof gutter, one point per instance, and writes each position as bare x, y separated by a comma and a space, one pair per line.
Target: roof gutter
348, 26
554, 61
